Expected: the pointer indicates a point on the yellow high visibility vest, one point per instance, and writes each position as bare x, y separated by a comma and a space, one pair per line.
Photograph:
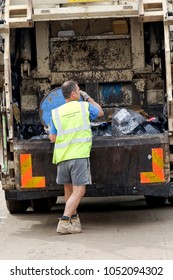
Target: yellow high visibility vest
74, 137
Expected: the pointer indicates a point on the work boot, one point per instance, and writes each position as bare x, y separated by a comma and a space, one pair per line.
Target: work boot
66, 227
76, 222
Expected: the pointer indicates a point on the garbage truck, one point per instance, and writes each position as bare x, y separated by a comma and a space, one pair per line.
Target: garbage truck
120, 53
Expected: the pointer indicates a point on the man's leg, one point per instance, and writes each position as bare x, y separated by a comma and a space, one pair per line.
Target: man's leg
68, 189
74, 200
64, 225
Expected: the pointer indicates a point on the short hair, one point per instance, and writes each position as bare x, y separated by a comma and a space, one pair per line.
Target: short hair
68, 87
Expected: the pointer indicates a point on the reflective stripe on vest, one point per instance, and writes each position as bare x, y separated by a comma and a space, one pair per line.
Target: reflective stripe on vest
80, 140
61, 131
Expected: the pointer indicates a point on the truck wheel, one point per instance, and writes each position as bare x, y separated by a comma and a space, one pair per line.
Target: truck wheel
17, 206
155, 201
43, 205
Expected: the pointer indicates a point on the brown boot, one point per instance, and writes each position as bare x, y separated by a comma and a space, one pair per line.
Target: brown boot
76, 223
66, 227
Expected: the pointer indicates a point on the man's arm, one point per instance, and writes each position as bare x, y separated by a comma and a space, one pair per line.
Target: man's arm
101, 113
87, 98
52, 132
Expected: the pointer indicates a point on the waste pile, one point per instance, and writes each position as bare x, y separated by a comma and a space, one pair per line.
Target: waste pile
101, 129
30, 131
128, 122
124, 122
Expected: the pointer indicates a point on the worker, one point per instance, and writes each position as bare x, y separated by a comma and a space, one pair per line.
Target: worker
71, 133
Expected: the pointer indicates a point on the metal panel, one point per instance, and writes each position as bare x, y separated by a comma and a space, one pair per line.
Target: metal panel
89, 55
118, 165
112, 160
41, 155
118, 93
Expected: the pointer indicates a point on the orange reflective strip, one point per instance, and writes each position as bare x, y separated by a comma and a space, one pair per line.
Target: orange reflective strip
157, 174
27, 181
25, 163
23, 157
25, 177
37, 182
144, 178
152, 177
157, 162
41, 182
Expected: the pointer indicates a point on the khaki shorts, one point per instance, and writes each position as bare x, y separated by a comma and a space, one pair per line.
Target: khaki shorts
75, 171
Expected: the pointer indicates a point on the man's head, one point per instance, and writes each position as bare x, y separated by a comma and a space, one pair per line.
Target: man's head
70, 90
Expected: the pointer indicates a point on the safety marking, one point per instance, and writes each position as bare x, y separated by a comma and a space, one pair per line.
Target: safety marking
27, 181
157, 173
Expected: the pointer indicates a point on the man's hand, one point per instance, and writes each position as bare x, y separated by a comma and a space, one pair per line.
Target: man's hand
52, 137
84, 95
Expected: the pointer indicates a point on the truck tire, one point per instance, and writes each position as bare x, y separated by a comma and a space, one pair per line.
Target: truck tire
155, 201
17, 206
43, 205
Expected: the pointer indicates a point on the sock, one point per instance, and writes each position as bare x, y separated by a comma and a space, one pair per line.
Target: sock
65, 218
74, 216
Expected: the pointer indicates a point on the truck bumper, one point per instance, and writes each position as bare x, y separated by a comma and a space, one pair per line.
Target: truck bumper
127, 165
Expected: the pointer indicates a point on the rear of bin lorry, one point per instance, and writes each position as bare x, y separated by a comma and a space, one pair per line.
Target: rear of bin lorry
117, 51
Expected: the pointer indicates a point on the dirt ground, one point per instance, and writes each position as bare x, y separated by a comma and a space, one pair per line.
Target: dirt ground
113, 228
